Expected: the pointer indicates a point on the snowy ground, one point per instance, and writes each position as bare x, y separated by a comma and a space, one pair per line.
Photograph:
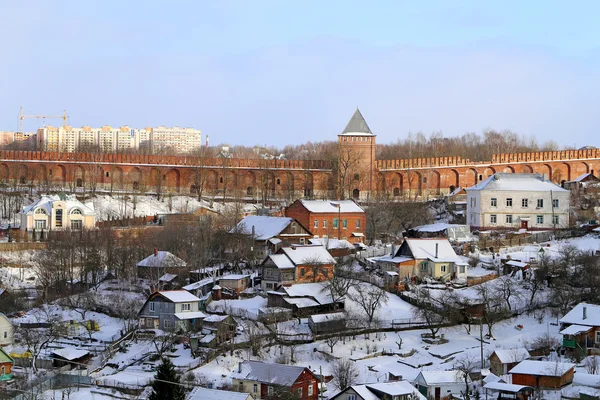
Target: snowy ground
84, 393
239, 308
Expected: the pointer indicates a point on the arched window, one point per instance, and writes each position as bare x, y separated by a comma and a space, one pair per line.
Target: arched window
355, 193
41, 211
396, 192
76, 211
356, 177
278, 181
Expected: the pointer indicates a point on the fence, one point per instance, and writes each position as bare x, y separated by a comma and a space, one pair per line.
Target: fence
21, 246
535, 237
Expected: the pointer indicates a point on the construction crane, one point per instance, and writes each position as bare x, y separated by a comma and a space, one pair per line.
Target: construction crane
23, 116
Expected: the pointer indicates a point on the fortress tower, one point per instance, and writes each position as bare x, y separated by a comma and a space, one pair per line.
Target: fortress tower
356, 159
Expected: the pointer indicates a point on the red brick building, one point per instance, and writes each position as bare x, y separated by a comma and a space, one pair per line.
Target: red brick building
271, 381
339, 219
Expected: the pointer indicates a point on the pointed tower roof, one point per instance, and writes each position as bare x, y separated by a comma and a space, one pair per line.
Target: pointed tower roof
357, 125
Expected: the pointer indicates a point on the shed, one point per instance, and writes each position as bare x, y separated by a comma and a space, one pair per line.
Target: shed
519, 392
544, 374
327, 323
440, 385
70, 356
502, 361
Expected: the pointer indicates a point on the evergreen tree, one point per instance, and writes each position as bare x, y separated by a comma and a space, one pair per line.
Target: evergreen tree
162, 389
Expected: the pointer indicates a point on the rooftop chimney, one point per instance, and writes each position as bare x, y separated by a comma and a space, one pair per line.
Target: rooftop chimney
240, 367
155, 251
393, 249
584, 312
436, 250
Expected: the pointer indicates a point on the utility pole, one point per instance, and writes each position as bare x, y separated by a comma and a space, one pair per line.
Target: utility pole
481, 340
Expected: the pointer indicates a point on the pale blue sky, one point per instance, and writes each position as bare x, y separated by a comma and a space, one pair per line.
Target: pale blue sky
278, 72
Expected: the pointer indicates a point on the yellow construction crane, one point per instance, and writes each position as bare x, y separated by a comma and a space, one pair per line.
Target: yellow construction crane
22, 116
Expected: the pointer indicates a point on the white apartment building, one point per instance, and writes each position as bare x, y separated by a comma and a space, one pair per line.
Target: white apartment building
517, 201
109, 139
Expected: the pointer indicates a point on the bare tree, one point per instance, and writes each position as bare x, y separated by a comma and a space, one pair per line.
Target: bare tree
47, 329
429, 311
344, 373
592, 365
493, 312
331, 341
464, 367
370, 298
163, 342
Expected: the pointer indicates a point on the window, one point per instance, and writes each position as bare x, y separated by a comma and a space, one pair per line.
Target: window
461, 269
424, 266
540, 203
555, 203
40, 211
302, 272
76, 224
5, 334
40, 224
152, 306
555, 219
167, 323
241, 386
494, 202
270, 390
509, 219
597, 336
58, 219
301, 240
186, 307
473, 202
540, 219
509, 202
443, 268
352, 397
493, 219
299, 392
255, 388
310, 389
335, 222
345, 224
524, 203
316, 224
358, 224
324, 223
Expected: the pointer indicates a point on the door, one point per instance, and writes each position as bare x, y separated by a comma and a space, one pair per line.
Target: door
524, 224
437, 393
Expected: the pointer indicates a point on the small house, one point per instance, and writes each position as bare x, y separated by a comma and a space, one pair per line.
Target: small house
57, 212
70, 356
502, 361
6, 364
7, 331
542, 374
171, 310
327, 323
580, 328
158, 264
399, 390
508, 390
305, 299
270, 380
338, 248
440, 385
235, 282
221, 326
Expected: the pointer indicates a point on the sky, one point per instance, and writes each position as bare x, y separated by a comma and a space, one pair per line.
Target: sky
287, 72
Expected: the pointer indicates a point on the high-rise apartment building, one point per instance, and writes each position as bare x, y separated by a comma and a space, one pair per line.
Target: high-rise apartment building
109, 139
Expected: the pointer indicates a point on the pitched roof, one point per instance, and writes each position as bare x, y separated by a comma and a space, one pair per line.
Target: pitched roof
425, 249
512, 355
541, 368
332, 243
71, 202
264, 227
178, 296
434, 377
308, 254
398, 388
200, 393
331, 206
317, 291
70, 353
162, 259
575, 316
357, 125
282, 261
278, 374
517, 182
5, 357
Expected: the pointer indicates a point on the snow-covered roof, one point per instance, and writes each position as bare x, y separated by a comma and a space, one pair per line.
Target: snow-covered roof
438, 227
278, 374
582, 177
69, 353
364, 392
200, 393
215, 318
264, 227
437, 377
199, 284
162, 259
332, 243
395, 259
575, 329
397, 388
233, 277
308, 254
517, 182
317, 290
301, 302
512, 355
282, 261
425, 249
583, 379
167, 277
506, 387
190, 315
178, 296
331, 206
575, 316
274, 241
336, 316
71, 203
492, 378
541, 368
516, 263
